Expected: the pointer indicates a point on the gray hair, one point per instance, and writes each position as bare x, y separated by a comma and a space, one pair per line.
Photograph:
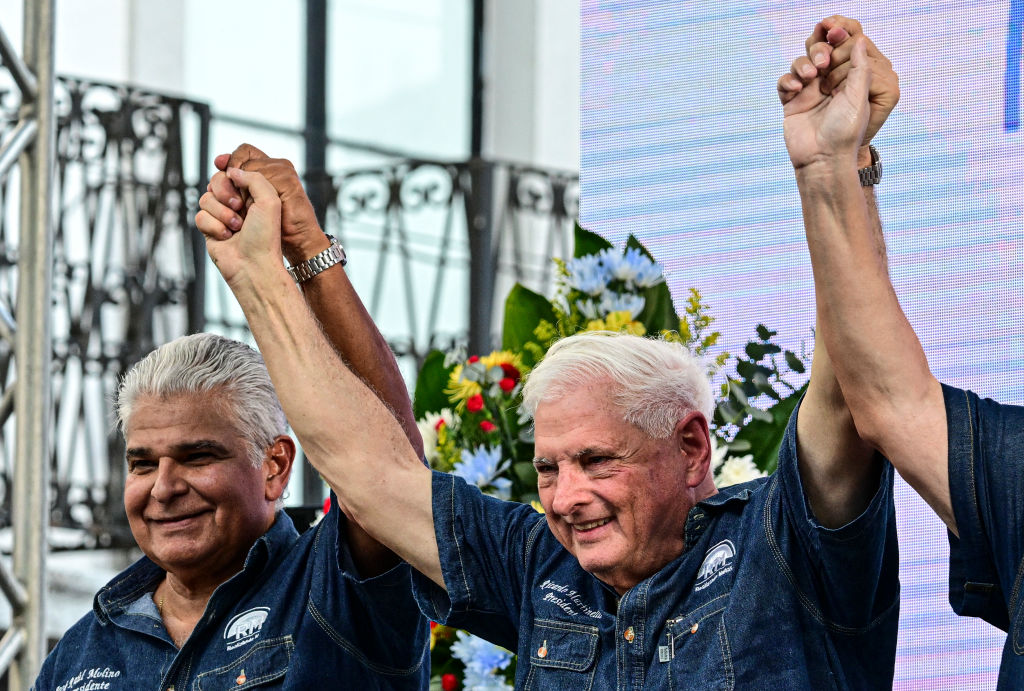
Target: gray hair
207, 362
655, 383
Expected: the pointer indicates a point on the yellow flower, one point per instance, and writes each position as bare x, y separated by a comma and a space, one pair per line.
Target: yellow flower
502, 357
460, 389
623, 321
617, 321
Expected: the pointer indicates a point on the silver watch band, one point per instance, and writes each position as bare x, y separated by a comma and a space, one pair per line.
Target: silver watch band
871, 175
335, 254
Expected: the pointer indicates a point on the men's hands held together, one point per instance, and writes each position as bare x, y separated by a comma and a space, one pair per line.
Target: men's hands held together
830, 93
255, 250
301, 236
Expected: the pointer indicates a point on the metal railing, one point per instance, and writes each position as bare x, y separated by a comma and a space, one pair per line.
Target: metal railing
416, 257
124, 273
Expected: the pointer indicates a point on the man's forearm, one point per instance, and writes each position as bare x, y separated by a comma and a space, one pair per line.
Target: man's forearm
348, 434
875, 351
879, 363
356, 338
358, 341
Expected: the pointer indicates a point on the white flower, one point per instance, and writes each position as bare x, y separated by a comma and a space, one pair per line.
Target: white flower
737, 469
428, 430
587, 308
622, 302
587, 274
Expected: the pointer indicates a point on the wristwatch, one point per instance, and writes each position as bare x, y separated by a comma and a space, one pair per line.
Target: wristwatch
335, 254
871, 175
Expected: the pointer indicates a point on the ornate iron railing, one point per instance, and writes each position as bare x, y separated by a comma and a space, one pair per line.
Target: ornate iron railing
407, 227
128, 171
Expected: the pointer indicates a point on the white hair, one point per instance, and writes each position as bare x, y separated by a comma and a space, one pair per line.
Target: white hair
655, 383
206, 362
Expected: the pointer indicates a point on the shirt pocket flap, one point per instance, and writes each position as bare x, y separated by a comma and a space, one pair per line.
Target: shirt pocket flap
563, 644
691, 622
264, 662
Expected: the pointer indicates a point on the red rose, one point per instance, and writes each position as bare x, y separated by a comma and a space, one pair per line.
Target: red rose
439, 424
475, 403
507, 384
474, 358
487, 426
449, 682
510, 371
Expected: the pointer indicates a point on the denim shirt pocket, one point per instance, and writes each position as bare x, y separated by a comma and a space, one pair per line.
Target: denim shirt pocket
561, 655
266, 661
696, 648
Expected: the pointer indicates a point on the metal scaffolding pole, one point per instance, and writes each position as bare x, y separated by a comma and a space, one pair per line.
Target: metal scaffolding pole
25, 644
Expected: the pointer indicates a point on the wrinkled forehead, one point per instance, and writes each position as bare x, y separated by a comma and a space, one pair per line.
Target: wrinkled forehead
579, 419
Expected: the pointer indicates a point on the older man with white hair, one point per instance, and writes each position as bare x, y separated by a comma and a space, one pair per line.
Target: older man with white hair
640, 573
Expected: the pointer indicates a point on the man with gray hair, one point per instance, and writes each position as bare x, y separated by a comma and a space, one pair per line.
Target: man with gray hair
228, 594
640, 573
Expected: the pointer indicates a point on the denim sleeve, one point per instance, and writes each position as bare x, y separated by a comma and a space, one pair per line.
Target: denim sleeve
848, 576
484, 544
375, 619
986, 484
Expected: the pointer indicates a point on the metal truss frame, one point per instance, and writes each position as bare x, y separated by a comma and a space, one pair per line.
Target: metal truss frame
31, 145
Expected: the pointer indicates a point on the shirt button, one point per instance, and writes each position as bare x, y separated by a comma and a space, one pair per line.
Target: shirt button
629, 635
693, 629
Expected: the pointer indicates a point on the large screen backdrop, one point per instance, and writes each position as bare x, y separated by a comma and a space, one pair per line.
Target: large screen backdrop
682, 146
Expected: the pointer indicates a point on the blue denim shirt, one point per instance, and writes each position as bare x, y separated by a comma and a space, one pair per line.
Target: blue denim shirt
762, 597
293, 618
986, 485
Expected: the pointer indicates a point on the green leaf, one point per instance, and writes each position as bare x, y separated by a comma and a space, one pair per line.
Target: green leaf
587, 242
728, 411
764, 333
525, 473
747, 369
429, 396
764, 434
794, 362
736, 391
659, 313
754, 350
631, 241
523, 311
760, 381
739, 447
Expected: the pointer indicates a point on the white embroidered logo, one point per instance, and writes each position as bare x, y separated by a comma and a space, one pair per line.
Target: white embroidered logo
245, 627
92, 679
717, 562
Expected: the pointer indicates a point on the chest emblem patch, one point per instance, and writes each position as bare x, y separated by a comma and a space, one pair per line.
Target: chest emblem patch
245, 627
717, 562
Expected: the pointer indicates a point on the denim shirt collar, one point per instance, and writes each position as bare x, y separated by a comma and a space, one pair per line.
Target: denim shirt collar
144, 575
699, 517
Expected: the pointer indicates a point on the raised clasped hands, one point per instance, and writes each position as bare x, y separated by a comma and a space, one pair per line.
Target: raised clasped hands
301, 236
254, 248
836, 96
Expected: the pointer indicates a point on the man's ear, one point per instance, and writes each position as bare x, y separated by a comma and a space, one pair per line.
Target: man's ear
694, 442
277, 466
